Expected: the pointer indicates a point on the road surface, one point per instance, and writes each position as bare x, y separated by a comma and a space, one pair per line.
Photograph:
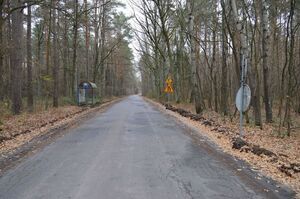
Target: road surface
131, 151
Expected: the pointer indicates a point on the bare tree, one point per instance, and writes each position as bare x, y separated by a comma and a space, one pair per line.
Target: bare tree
196, 87
266, 73
16, 56
29, 62
75, 45
55, 67
1, 51
224, 87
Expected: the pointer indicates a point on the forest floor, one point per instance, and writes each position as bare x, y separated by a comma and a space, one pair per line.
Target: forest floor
17, 131
274, 156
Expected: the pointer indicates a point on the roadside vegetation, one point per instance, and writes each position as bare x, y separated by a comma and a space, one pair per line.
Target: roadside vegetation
198, 44
202, 46
47, 47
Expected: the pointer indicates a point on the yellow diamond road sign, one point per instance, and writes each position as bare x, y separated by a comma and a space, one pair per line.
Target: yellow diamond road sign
169, 88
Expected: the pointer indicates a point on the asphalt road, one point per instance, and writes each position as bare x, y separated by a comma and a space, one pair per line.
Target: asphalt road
132, 151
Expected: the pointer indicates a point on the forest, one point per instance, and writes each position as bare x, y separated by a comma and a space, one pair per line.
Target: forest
203, 45
47, 47
164, 76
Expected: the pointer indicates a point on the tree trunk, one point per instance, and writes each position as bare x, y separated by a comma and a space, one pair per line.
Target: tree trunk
55, 67
74, 60
87, 40
1, 52
254, 75
7, 59
255, 98
264, 39
224, 86
102, 51
283, 72
40, 35
29, 62
96, 41
48, 42
46, 81
2, 22
298, 109
214, 65
196, 87
215, 79
16, 57
66, 58
290, 70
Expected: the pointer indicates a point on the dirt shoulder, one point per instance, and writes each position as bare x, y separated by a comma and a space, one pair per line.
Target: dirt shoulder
24, 134
274, 157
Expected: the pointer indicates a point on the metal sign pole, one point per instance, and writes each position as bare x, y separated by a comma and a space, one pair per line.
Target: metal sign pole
168, 90
242, 101
244, 94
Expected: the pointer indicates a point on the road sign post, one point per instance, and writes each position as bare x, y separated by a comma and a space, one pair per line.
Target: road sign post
243, 96
240, 25
169, 88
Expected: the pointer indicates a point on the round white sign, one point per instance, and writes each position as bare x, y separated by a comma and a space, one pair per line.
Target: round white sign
243, 98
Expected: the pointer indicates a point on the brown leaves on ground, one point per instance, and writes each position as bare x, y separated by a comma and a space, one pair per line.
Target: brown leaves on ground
20, 129
17, 130
276, 157
25, 123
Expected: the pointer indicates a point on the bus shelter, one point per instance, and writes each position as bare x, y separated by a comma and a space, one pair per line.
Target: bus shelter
87, 93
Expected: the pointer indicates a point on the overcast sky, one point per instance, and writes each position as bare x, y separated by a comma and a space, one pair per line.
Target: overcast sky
129, 10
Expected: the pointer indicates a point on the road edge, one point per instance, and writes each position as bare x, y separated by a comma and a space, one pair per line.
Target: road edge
12, 158
247, 167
